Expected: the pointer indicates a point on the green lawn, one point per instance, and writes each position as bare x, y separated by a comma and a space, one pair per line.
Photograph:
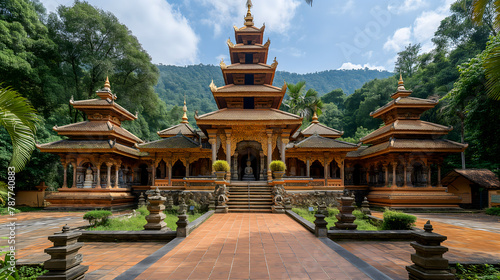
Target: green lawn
137, 223
362, 222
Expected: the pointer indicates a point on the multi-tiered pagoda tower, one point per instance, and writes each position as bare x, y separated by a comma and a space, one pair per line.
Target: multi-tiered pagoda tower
248, 125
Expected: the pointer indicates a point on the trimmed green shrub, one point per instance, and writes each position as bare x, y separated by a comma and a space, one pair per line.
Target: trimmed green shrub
97, 217
277, 165
479, 271
495, 211
396, 220
221, 165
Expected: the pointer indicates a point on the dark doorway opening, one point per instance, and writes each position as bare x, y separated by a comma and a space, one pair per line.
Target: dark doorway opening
248, 103
144, 174
249, 80
248, 58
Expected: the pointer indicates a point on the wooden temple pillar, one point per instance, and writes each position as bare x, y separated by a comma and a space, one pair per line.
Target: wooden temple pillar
325, 169
394, 165
117, 168
169, 164
409, 171
213, 141
439, 175
98, 169
73, 163
308, 167
368, 175
386, 170
187, 167
153, 172
262, 166
234, 174
228, 153
108, 176
269, 153
65, 174
342, 169
429, 170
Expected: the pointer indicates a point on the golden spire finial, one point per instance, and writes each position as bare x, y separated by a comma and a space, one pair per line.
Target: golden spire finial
184, 116
401, 84
315, 116
107, 85
249, 17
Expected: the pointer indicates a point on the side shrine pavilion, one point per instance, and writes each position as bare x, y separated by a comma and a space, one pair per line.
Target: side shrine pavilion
110, 166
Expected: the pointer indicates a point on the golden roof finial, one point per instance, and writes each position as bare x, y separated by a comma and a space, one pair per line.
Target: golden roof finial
315, 116
249, 17
184, 116
107, 85
401, 84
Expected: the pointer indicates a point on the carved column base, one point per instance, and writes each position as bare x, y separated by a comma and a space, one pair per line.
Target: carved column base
222, 209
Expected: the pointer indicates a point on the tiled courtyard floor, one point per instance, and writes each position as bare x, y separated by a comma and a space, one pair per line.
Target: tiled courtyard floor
251, 246
477, 240
256, 246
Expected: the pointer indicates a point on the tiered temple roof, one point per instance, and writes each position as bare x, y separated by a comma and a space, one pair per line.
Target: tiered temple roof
404, 131
102, 132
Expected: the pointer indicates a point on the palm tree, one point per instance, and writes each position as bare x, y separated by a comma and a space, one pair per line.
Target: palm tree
19, 118
301, 102
492, 62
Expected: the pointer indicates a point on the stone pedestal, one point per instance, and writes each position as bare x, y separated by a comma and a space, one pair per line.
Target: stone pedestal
142, 200
169, 202
278, 209
320, 226
365, 207
222, 209
64, 262
322, 209
428, 259
156, 217
182, 225
288, 204
211, 203
345, 217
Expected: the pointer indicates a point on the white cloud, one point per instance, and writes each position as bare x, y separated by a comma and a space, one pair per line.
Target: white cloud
276, 14
407, 6
163, 32
426, 24
352, 66
399, 40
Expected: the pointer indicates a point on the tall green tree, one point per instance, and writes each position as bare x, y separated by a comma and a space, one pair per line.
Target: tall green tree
19, 119
407, 61
93, 44
491, 63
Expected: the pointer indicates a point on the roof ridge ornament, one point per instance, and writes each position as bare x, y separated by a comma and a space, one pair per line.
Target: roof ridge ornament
184, 116
107, 85
275, 63
222, 64
268, 42
315, 116
249, 17
229, 43
401, 84
213, 87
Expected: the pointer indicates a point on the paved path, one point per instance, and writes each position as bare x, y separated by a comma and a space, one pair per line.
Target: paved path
105, 260
251, 246
472, 240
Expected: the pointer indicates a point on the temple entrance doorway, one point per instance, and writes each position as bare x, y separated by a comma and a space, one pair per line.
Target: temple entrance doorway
249, 160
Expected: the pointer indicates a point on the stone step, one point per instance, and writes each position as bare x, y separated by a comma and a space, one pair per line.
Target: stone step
249, 206
242, 203
252, 199
250, 210
238, 189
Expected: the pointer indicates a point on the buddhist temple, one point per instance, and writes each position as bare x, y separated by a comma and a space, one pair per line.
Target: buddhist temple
110, 165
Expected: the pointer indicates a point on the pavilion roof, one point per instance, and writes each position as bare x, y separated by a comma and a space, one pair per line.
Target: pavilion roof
253, 67
182, 128
262, 115
411, 145
483, 177
89, 146
405, 102
103, 104
319, 142
252, 89
177, 142
406, 127
322, 130
90, 127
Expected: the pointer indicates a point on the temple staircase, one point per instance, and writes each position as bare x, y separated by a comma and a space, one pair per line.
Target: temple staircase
250, 196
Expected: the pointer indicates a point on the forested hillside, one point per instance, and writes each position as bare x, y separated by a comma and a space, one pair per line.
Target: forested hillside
193, 81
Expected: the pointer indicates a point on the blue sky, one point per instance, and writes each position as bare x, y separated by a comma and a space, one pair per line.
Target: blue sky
332, 34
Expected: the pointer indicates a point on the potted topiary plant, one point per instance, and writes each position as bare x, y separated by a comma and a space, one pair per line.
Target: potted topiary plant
278, 168
220, 168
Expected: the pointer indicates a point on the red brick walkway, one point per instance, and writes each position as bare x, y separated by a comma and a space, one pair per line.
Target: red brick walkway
465, 245
251, 246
